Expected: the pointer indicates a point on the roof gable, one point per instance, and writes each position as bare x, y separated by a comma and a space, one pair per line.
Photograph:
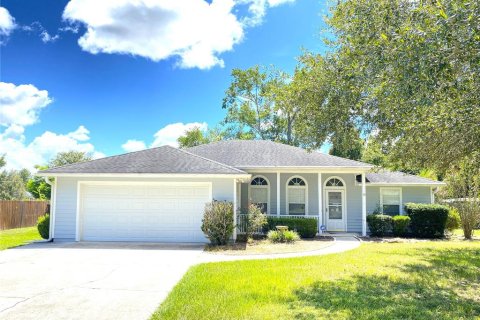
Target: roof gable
159, 160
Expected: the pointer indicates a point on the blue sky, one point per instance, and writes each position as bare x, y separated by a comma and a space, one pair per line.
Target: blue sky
138, 70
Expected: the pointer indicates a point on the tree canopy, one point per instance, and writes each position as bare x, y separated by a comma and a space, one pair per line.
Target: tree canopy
414, 67
12, 185
69, 157
192, 138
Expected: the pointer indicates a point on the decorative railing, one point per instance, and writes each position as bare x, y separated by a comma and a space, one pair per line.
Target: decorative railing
242, 220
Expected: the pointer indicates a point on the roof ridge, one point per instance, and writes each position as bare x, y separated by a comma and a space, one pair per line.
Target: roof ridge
204, 158
108, 157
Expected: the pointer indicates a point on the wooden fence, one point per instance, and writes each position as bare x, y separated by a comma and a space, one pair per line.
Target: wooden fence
19, 214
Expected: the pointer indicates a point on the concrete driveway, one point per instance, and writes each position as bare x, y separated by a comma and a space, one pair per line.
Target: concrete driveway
90, 280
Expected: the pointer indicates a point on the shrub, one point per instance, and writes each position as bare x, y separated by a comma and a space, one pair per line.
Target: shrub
469, 211
255, 220
427, 220
43, 226
453, 220
217, 222
306, 227
379, 224
278, 236
400, 225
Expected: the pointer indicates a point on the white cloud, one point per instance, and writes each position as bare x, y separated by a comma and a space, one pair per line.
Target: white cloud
133, 145
20, 154
46, 37
194, 31
38, 28
274, 3
7, 22
81, 134
167, 135
20, 105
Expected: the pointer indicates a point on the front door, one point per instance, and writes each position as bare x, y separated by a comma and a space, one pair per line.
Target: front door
335, 210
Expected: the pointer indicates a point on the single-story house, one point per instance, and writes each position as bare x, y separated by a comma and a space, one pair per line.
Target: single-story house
159, 194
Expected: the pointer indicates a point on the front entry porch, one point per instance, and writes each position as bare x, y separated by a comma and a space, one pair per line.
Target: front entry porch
337, 201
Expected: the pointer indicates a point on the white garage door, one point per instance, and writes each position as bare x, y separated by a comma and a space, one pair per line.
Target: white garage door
170, 212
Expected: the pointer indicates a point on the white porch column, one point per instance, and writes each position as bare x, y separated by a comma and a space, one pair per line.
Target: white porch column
320, 203
278, 194
432, 195
53, 205
235, 209
364, 205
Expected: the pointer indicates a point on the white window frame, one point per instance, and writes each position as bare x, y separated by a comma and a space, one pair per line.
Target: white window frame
287, 188
250, 187
392, 189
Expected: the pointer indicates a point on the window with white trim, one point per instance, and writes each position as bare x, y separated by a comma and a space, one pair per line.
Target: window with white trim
391, 201
296, 196
259, 193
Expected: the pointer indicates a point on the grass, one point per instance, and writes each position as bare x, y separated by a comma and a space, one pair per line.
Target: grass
459, 232
17, 237
423, 280
265, 246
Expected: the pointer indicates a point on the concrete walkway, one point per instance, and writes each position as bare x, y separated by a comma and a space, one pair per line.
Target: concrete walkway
340, 244
89, 280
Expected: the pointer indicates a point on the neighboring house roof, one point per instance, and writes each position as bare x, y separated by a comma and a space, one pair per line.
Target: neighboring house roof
164, 159
262, 153
395, 177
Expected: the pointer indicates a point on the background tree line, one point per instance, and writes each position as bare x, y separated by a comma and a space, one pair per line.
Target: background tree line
23, 185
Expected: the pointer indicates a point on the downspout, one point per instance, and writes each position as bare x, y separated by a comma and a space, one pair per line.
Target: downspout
53, 200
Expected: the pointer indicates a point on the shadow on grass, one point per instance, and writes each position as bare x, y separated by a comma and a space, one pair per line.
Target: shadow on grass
444, 284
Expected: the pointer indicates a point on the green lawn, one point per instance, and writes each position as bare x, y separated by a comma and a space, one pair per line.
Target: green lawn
459, 232
16, 237
424, 280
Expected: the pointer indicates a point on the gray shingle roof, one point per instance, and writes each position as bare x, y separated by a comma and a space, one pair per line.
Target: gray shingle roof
225, 157
262, 153
164, 159
392, 177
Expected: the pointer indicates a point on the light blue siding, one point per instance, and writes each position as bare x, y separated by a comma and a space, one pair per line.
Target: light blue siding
353, 193
66, 201
222, 189
417, 194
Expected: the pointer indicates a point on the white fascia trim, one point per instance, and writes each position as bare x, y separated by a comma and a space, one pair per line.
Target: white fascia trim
406, 184
356, 170
144, 175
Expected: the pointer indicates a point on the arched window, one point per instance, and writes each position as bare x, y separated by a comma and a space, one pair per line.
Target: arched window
260, 193
334, 182
296, 196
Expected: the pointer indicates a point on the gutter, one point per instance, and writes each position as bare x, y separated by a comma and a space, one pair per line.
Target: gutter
53, 200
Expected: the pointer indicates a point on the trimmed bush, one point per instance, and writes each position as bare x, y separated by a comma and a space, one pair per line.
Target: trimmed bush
379, 224
306, 227
427, 220
400, 225
43, 225
453, 220
217, 222
277, 236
